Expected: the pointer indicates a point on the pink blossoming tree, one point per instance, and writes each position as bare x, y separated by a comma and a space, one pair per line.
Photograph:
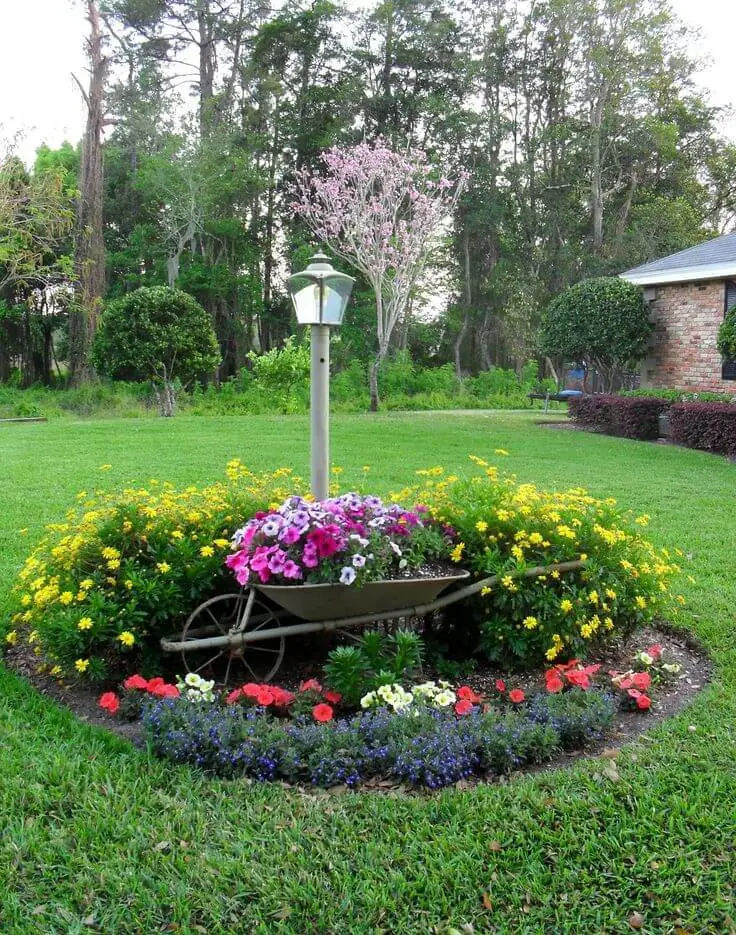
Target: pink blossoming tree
382, 212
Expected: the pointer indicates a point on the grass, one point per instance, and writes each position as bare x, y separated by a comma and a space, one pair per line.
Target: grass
100, 837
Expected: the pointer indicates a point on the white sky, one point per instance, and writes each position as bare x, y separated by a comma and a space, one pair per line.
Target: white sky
42, 43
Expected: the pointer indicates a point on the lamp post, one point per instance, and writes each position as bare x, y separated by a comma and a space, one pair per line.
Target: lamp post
320, 295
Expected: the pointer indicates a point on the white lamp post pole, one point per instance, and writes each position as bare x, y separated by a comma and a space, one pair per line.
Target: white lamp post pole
320, 411
320, 295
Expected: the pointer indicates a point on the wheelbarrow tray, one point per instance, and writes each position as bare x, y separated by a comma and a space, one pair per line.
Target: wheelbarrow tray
332, 601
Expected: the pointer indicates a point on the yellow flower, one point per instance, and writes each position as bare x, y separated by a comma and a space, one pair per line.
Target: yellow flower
566, 606
221, 543
86, 584
484, 592
33, 637
608, 623
481, 525
66, 598
105, 467
640, 602
680, 599
366, 468
128, 584
536, 539
508, 582
586, 631
110, 552
500, 451
565, 532
337, 470
55, 671
206, 551
530, 622
177, 534
163, 567
85, 623
642, 520
81, 665
457, 553
126, 638
26, 600
113, 564
593, 597
611, 594
11, 638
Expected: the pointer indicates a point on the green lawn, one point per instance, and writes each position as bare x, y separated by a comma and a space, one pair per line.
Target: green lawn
97, 837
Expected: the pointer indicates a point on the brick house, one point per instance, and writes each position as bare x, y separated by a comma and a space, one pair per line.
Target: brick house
689, 294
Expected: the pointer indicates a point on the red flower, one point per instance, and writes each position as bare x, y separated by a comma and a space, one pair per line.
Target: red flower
281, 698
500, 685
625, 682
641, 680
265, 697
655, 651
164, 690
464, 706
466, 693
579, 678
555, 684
322, 712
516, 695
633, 693
251, 690
136, 681
311, 685
234, 696
153, 684
333, 697
644, 702
109, 702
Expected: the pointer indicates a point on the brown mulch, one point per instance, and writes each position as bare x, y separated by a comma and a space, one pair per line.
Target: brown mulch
669, 697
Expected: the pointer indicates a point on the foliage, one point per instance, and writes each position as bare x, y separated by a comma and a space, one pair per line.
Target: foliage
427, 747
708, 426
101, 588
727, 335
603, 322
157, 334
504, 527
627, 416
577, 716
350, 540
375, 659
681, 396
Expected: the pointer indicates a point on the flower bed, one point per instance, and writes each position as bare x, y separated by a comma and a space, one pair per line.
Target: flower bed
426, 734
96, 595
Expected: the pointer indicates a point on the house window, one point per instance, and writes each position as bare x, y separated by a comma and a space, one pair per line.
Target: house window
728, 371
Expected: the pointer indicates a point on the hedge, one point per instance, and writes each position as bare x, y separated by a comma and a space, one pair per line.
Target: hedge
626, 416
707, 426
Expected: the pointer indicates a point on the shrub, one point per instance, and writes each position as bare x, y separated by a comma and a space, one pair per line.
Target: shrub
602, 321
101, 588
627, 416
578, 716
158, 334
727, 335
504, 527
708, 426
682, 396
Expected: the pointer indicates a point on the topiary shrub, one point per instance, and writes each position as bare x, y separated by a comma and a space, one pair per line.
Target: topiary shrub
602, 321
100, 589
707, 426
626, 416
505, 527
158, 334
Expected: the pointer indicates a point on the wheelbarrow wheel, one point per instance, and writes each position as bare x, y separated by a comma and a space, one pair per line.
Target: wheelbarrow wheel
224, 615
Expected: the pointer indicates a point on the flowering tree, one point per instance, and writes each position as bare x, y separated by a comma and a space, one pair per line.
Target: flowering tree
381, 211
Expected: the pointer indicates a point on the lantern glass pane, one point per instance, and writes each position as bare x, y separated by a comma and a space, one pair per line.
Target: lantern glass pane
337, 293
306, 304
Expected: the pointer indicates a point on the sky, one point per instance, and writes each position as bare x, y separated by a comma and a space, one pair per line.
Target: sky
42, 44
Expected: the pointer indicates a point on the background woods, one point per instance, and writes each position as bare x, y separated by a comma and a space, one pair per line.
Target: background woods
585, 146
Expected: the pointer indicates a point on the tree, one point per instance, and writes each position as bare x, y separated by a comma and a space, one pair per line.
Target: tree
157, 334
602, 321
381, 211
89, 246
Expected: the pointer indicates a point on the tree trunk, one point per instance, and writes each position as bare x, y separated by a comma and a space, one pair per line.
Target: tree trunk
373, 378
89, 245
166, 398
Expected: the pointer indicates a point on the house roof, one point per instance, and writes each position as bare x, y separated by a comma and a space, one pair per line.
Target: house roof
714, 259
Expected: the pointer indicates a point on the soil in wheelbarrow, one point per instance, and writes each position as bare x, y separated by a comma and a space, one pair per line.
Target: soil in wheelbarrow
669, 698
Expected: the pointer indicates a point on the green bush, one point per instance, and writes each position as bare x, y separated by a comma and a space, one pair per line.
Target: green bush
504, 528
158, 334
602, 321
374, 660
100, 589
727, 335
